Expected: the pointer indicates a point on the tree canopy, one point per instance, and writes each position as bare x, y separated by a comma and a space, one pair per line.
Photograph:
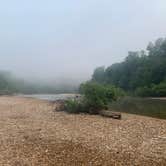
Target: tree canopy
139, 71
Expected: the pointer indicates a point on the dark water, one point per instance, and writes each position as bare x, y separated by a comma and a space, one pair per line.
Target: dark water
142, 106
50, 97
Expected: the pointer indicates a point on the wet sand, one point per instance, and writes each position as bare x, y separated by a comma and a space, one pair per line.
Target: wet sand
32, 133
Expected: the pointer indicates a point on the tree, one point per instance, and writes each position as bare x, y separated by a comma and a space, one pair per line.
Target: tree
99, 74
139, 69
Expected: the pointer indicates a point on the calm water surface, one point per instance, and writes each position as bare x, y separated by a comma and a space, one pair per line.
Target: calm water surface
50, 97
153, 107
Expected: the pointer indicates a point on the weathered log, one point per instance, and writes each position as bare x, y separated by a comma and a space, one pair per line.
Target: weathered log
110, 114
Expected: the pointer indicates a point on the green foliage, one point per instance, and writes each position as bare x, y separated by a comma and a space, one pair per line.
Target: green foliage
99, 74
141, 71
95, 97
153, 91
160, 89
143, 91
73, 106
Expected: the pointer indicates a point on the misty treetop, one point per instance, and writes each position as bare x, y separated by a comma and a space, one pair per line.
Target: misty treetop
143, 72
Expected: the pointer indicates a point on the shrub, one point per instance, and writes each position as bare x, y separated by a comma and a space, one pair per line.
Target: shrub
75, 106
154, 90
143, 91
72, 106
159, 90
95, 97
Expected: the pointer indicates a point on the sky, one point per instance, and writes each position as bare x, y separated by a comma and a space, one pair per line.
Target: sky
70, 38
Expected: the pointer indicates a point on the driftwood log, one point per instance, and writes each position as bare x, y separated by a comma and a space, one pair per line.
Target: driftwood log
110, 114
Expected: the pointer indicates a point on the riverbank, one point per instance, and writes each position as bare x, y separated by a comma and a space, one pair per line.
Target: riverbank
32, 133
152, 107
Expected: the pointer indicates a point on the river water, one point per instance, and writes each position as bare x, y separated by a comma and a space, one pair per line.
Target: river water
50, 97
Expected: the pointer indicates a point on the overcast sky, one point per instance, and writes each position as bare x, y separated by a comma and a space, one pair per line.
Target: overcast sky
50, 38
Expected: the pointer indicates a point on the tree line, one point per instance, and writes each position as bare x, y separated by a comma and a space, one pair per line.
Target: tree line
10, 84
142, 72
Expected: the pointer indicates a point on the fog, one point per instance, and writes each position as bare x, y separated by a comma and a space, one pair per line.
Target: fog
66, 40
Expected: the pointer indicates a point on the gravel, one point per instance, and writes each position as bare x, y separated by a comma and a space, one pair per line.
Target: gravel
32, 133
